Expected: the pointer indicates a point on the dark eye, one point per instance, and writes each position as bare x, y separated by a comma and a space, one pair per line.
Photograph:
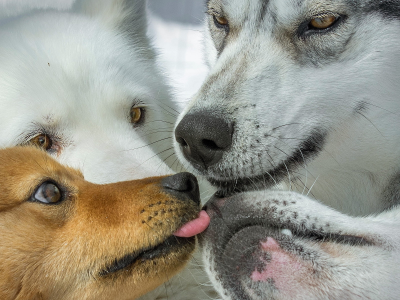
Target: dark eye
47, 193
136, 115
323, 22
43, 141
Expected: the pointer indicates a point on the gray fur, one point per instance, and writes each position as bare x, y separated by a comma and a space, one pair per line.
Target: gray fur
315, 115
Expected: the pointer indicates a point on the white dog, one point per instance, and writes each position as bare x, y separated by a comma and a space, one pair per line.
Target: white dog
302, 95
82, 84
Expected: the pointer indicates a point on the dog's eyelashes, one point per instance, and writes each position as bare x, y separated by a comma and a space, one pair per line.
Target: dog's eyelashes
43, 141
47, 193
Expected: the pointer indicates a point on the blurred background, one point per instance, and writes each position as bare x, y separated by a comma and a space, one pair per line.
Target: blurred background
176, 30
182, 11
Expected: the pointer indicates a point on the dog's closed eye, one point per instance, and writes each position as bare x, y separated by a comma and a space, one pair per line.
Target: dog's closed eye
47, 193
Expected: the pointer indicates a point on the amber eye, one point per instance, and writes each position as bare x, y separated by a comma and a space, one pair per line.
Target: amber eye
221, 20
42, 141
136, 115
323, 22
47, 193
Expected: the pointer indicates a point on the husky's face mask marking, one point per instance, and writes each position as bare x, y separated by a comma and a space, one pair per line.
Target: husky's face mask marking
304, 90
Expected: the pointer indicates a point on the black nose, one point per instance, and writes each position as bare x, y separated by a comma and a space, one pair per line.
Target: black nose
183, 186
203, 138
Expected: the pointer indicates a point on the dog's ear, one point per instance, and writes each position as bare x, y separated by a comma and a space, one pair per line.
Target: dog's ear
129, 16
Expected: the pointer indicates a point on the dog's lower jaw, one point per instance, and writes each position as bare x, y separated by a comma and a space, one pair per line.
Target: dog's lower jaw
272, 273
172, 246
284, 246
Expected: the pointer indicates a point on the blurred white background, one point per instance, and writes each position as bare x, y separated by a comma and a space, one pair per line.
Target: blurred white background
176, 30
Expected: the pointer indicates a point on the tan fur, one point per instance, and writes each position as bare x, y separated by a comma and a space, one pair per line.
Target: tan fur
57, 251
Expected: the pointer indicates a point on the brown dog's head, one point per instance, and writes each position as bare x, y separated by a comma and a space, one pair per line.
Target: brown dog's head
65, 238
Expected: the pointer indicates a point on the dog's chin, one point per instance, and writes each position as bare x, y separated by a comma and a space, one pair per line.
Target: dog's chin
172, 250
254, 261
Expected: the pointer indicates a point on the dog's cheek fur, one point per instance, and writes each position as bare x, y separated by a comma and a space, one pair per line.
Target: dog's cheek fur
24, 257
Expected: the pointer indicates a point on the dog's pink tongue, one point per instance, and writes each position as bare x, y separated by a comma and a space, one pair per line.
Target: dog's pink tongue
194, 227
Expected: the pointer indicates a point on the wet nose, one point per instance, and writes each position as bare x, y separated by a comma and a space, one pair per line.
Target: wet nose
184, 186
203, 138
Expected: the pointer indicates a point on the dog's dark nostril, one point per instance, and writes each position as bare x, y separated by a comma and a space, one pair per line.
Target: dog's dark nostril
183, 186
181, 142
203, 138
210, 145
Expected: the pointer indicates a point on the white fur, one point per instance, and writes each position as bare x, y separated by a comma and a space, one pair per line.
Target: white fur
73, 73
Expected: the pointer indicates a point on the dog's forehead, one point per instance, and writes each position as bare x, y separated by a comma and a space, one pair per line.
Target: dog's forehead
262, 10
86, 66
273, 14
32, 165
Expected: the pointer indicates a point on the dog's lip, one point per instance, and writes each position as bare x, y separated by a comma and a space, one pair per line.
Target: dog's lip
214, 206
315, 236
145, 254
229, 187
312, 235
185, 234
309, 148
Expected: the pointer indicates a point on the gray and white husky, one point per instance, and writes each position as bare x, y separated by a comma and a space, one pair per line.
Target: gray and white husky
297, 125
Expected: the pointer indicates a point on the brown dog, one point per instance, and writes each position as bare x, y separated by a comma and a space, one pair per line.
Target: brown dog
62, 237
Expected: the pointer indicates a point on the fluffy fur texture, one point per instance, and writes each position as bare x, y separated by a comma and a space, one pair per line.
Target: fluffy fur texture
82, 83
309, 110
65, 238
75, 76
